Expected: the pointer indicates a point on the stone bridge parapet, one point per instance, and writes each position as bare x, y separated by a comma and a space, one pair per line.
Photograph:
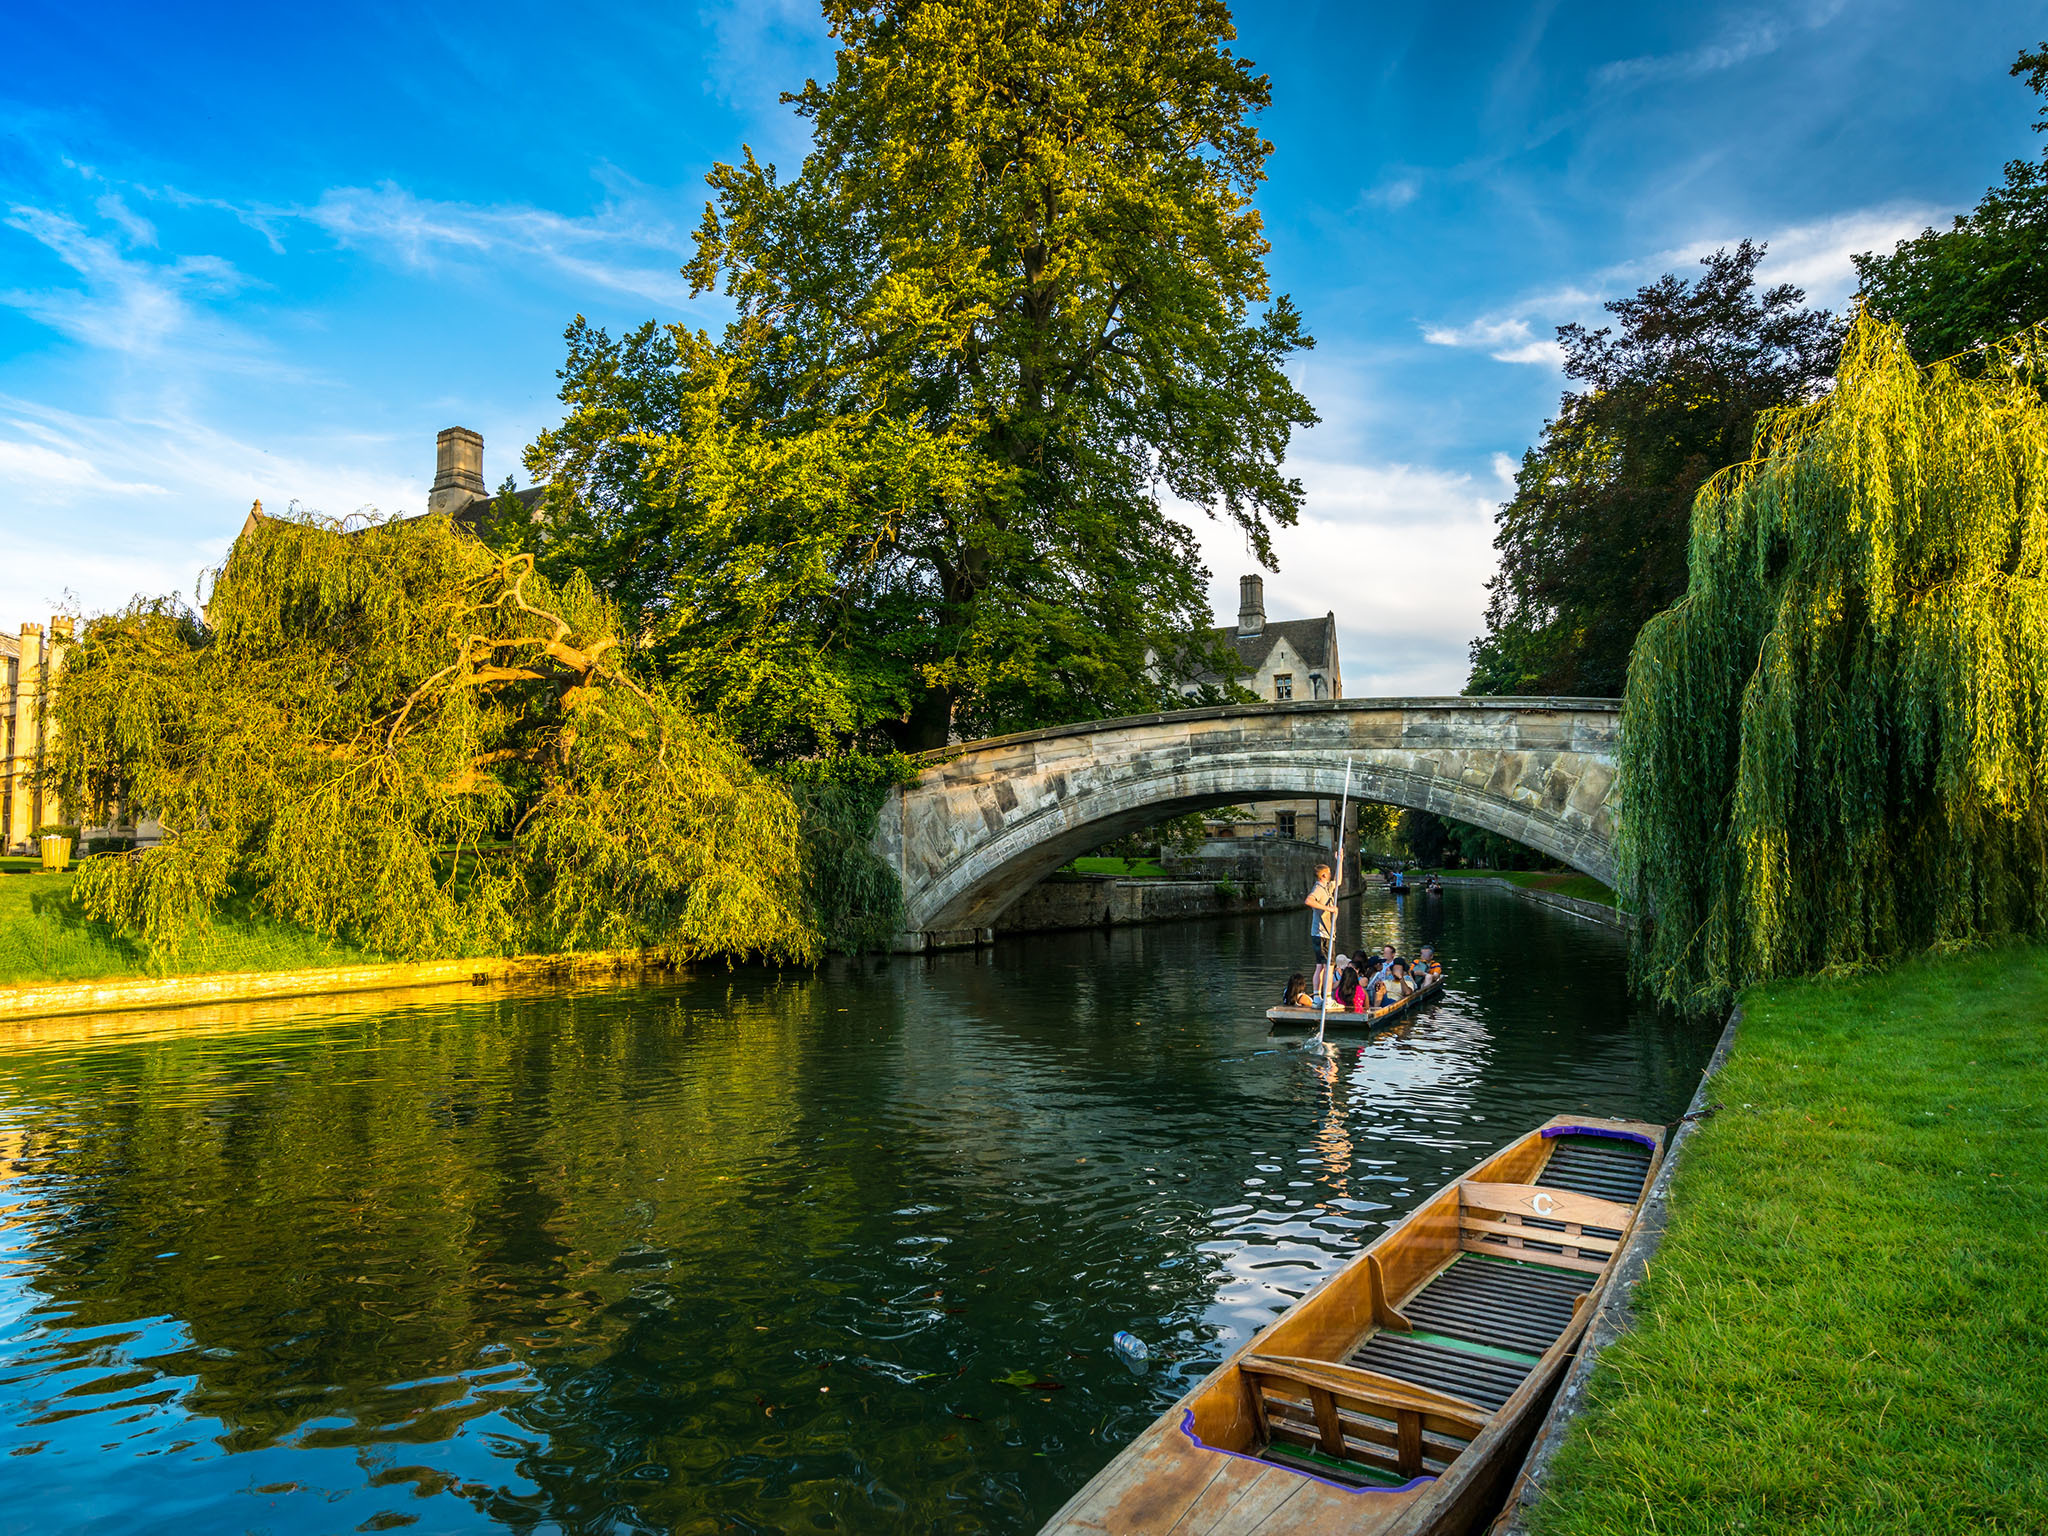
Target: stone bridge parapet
987, 820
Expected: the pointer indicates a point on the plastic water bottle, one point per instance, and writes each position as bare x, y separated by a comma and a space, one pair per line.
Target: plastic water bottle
1131, 1350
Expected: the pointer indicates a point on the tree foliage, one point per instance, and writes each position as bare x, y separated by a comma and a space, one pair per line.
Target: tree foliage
399, 736
1832, 748
1985, 277
1593, 541
1014, 298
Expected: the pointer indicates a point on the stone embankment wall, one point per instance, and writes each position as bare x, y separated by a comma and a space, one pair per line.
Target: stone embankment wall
1271, 872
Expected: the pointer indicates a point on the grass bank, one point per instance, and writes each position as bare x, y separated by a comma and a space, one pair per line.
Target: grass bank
1134, 869
1564, 883
1846, 1328
44, 937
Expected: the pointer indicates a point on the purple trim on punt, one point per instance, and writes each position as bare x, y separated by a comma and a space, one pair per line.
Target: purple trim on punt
1599, 1130
1187, 1427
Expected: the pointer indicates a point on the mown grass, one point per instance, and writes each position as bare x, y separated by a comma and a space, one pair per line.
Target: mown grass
1135, 869
44, 937
1564, 883
1846, 1329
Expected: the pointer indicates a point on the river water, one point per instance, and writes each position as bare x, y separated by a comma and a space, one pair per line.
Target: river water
748, 1252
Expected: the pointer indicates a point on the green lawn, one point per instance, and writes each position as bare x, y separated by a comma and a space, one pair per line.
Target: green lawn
1564, 883
1137, 869
1846, 1330
43, 937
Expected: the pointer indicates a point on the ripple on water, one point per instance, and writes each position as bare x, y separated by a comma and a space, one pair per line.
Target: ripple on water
750, 1252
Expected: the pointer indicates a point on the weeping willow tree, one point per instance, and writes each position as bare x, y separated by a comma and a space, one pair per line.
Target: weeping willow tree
1833, 745
398, 737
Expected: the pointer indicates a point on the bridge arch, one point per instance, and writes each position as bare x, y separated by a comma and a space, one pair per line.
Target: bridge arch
987, 820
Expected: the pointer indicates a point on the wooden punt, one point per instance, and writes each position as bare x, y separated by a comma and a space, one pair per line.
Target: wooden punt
1400, 1397
1344, 1018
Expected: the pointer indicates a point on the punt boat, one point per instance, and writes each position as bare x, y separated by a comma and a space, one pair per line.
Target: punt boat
1345, 1018
1400, 1397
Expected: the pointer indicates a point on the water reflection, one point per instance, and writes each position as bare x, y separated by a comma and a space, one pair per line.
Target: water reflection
750, 1252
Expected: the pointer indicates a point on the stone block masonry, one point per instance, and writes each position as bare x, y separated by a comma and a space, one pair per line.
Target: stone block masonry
987, 821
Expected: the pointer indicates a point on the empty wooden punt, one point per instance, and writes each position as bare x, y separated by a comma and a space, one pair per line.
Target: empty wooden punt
1400, 1396
1344, 1018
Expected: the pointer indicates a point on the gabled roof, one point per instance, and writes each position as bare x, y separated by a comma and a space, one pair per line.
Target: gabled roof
1308, 638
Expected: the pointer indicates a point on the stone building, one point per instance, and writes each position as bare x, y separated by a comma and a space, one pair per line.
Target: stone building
459, 487
29, 664
30, 661
1282, 660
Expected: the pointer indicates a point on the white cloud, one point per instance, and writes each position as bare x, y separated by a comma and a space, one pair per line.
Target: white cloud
143, 500
140, 230
1814, 255
1399, 552
629, 248
126, 304
61, 475
1396, 194
1547, 352
1505, 338
1746, 37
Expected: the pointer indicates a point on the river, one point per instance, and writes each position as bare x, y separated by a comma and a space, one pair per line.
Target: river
744, 1252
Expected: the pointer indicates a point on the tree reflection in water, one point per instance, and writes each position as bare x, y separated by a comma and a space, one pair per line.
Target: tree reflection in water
744, 1252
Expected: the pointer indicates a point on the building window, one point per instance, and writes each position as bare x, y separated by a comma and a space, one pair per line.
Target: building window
1283, 687
1283, 823
1315, 685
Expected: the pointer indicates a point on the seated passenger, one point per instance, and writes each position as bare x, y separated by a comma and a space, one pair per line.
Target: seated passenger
1351, 990
1296, 995
1426, 968
1392, 986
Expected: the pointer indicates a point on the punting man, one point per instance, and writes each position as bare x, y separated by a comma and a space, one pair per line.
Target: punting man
1322, 922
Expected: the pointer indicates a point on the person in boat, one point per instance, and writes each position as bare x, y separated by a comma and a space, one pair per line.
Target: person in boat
1322, 923
1387, 957
1296, 995
1351, 990
1391, 986
1425, 969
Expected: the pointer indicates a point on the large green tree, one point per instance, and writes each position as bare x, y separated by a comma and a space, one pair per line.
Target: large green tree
1012, 304
1833, 745
1593, 541
1984, 277
399, 736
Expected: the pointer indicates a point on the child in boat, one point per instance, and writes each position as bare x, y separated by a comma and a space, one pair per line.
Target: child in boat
1296, 995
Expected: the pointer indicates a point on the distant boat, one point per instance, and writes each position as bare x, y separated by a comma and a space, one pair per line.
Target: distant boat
1344, 1018
1401, 1395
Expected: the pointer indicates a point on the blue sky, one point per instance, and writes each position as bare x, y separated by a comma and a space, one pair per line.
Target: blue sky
256, 252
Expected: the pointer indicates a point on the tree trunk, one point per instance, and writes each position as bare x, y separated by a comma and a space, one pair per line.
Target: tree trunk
928, 726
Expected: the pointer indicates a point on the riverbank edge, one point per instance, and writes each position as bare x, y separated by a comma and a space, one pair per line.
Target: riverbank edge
1616, 1315
1594, 911
43, 1000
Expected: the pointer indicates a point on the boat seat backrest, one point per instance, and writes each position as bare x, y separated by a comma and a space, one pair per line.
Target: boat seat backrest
1540, 1225
1358, 1415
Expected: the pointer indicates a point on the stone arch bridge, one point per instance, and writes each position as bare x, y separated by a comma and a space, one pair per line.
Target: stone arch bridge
987, 820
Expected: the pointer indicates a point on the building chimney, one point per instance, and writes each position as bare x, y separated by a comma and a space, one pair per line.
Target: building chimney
458, 470
1251, 605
